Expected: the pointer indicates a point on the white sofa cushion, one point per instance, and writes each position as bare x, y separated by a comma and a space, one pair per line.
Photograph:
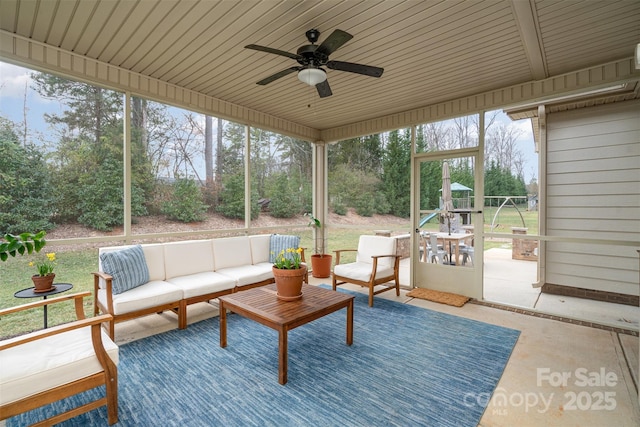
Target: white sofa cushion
248, 274
361, 271
231, 252
185, 258
40, 365
154, 254
203, 283
260, 248
369, 246
150, 294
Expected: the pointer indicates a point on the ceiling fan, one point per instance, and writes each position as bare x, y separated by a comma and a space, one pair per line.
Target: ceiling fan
312, 57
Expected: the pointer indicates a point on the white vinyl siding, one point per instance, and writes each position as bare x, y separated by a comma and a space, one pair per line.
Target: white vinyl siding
593, 191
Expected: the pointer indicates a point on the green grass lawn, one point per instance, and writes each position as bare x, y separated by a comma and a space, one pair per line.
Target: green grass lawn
76, 266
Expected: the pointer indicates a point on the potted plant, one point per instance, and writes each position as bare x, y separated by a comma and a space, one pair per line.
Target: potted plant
26, 244
320, 262
43, 281
289, 272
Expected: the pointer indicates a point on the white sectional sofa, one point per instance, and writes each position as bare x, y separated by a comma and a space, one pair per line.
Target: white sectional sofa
180, 273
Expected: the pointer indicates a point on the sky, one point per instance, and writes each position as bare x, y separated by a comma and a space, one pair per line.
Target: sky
15, 80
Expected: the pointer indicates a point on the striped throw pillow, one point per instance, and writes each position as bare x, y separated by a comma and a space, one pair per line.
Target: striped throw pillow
281, 242
128, 268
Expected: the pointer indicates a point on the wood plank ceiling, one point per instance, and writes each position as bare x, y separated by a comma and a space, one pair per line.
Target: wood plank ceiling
431, 50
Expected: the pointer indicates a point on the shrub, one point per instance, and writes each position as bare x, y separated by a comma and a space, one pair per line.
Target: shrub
339, 207
382, 206
365, 204
284, 200
101, 199
232, 198
186, 202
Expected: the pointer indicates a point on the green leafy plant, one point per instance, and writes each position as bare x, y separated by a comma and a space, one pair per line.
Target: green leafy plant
23, 243
46, 266
186, 203
315, 223
288, 259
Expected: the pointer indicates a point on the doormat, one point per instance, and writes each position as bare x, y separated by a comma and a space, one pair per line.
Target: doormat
437, 296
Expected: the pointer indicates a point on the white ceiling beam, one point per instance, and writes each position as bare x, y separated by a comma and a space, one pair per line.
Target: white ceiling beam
527, 23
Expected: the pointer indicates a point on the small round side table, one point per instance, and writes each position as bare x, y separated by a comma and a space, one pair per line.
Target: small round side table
29, 293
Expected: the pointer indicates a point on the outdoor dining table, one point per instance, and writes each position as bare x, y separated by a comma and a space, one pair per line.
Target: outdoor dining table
453, 239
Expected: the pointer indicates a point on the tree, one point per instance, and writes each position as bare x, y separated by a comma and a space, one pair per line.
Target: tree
90, 148
396, 176
27, 199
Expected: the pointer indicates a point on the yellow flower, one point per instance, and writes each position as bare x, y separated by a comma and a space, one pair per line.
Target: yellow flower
288, 259
46, 266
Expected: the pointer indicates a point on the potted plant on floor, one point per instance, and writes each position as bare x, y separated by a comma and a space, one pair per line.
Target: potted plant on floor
320, 262
289, 272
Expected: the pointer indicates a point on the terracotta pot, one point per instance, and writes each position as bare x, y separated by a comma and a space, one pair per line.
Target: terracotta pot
43, 283
321, 265
289, 283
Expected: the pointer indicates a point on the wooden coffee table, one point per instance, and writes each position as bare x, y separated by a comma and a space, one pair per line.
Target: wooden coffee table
262, 305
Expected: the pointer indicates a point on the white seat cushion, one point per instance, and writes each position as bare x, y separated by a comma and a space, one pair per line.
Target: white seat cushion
40, 365
361, 271
248, 274
202, 283
148, 295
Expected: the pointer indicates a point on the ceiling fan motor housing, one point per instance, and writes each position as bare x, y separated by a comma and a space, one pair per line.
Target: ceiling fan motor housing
310, 56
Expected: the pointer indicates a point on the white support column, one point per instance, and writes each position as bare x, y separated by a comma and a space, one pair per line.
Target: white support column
542, 196
413, 209
247, 176
126, 150
320, 194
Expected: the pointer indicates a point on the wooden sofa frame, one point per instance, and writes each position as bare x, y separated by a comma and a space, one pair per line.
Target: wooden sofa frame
179, 307
107, 377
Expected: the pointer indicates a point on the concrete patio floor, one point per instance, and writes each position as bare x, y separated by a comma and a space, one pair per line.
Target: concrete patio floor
559, 374
509, 282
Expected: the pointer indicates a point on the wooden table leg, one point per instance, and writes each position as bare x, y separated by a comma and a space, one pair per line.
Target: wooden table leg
282, 356
223, 324
350, 323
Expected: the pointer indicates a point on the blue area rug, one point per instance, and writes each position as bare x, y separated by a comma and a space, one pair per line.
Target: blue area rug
408, 366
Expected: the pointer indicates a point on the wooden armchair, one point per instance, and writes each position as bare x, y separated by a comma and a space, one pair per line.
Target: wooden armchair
51, 364
376, 264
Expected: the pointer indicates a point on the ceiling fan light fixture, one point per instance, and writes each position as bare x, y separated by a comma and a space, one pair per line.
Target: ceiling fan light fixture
312, 76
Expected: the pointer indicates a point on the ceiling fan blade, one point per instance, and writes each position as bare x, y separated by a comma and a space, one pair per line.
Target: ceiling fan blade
334, 42
324, 89
278, 75
274, 51
367, 70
